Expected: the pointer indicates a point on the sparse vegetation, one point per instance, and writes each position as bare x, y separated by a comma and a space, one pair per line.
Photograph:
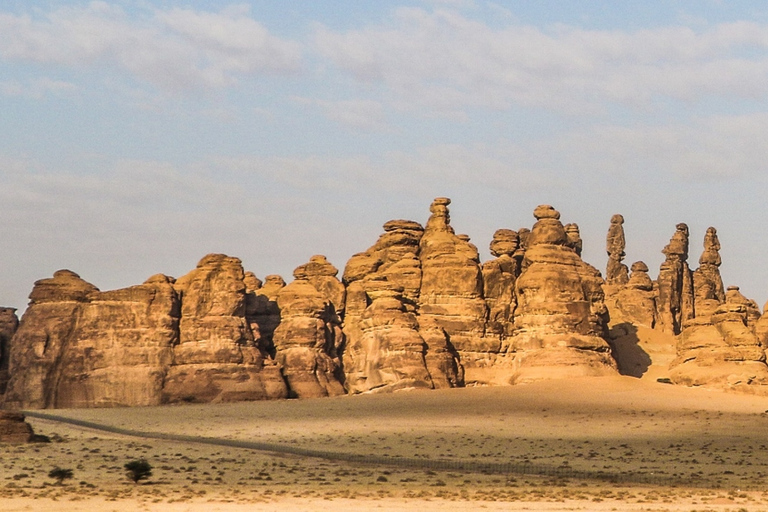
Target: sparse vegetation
60, 474
137, 470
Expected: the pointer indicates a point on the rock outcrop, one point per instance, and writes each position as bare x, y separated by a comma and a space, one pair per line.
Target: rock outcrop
722, 349
13, 428
386, 347
216, 357
616, 273
451, 297
499, 276
635, 301
560, 317
309, 336
42, 339
675, 284
9, 322
708, 287
79, 347
416, 310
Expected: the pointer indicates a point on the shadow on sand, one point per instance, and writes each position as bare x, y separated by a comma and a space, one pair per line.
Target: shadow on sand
629, 355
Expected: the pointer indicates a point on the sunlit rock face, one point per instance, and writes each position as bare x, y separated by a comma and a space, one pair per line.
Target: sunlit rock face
159, 342
415, 310
560, 316
387, 347
79, 347
723, 348
217, 358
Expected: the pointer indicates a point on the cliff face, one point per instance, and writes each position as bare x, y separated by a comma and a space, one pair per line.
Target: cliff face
415, 310
154, 343
9, 323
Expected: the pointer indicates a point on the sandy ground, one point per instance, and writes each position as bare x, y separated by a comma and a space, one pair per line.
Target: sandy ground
706, 451
714, 441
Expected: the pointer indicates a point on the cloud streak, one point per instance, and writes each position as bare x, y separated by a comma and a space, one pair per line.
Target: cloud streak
174, 49
440, 58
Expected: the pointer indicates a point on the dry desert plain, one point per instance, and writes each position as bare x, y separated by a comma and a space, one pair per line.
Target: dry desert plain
616, 443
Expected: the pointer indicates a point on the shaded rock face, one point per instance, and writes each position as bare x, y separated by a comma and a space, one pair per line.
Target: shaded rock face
9, 322
616, 273
261, 309
309, 336
675, 284
708, 287
79, 347
216, 357
560, 316
723, 349
13, 428
499, 277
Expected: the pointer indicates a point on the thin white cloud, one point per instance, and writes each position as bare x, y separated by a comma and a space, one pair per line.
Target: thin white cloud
175, 49
356, 113
436, 58
37, 88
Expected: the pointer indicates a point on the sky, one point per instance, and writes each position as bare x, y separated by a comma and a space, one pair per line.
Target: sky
137, 136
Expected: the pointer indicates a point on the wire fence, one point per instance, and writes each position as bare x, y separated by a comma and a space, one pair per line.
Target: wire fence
471, 466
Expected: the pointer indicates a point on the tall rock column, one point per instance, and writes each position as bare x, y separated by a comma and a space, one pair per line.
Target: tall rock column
616, 273
499, 277
451, 297
385, 349
560, 319
675, 283
309, 334
708, 287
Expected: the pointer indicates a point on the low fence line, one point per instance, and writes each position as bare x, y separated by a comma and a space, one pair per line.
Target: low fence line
500, 468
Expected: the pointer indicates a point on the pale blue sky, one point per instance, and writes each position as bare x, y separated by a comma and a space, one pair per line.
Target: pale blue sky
137, 136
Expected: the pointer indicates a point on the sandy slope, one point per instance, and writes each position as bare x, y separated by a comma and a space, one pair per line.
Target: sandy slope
615, 425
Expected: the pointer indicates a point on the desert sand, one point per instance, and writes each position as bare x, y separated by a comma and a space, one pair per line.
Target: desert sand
705, 449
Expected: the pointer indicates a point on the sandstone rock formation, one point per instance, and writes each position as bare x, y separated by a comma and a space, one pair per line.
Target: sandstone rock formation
261, 310
574, 238
722, 349
216, 357
79, 347
13, 428
635, 301
708, 287
9, 322
675, 284
616, 272
560, 317
416, 310
451, 296
499, 276
309, 336
42, 338
380, 334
